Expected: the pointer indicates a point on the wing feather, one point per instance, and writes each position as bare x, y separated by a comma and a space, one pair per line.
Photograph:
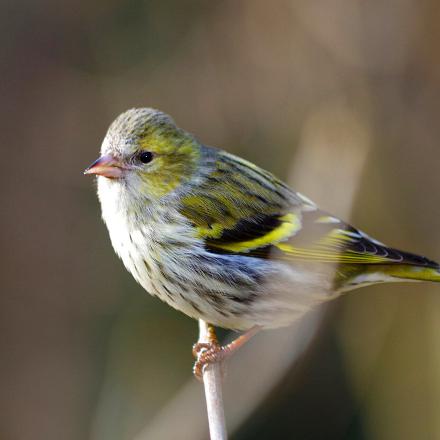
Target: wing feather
242, 209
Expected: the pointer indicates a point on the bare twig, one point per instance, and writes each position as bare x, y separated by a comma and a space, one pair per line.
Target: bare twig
212, 381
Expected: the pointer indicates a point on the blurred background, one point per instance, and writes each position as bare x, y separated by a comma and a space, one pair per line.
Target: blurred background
339, 97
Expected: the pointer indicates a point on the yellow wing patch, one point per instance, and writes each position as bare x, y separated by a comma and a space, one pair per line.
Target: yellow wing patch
289, 225
336, 246
327, 256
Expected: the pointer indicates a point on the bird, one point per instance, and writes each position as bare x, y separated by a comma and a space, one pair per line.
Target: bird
223, 240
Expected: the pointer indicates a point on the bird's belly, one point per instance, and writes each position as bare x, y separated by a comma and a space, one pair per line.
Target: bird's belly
235, 293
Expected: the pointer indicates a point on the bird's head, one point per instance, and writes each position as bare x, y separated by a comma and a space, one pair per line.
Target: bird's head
145, 155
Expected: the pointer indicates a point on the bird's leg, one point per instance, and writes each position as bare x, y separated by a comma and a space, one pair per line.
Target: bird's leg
212, 352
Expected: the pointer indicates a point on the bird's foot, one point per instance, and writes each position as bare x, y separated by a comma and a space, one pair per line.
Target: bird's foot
207, 353
212, 352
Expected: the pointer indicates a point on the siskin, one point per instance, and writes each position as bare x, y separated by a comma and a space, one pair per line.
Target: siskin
223, 240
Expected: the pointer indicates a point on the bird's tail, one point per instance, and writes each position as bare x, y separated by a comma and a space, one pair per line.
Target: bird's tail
414, 273
411, 267
386, 273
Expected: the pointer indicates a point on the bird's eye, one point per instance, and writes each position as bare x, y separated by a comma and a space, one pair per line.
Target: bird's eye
145, 156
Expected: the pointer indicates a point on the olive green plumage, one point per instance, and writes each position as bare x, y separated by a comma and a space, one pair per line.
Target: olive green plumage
221, 239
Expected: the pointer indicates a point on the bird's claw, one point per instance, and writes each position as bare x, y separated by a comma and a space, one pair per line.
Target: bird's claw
206, 353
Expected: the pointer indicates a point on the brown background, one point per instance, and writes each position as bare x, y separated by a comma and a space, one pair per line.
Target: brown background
340, 97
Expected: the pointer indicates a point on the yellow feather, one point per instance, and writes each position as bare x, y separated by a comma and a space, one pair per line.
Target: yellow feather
289, 226
328, 256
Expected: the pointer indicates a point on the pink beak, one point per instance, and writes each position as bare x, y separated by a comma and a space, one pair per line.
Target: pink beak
106, 166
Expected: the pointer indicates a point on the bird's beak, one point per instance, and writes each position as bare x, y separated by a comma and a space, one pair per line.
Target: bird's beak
106, 166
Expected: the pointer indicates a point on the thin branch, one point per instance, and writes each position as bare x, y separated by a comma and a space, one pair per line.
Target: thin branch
212, 381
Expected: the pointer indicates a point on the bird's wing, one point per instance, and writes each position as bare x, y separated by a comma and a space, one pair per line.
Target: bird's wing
242, 209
